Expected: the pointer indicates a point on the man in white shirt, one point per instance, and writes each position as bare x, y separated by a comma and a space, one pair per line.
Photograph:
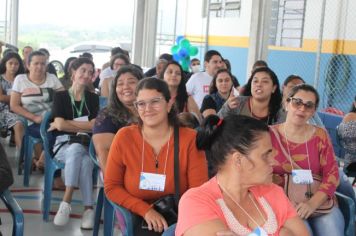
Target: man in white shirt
198, 84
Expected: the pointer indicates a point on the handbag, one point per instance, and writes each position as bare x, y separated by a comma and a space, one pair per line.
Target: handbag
298, 193
167, 206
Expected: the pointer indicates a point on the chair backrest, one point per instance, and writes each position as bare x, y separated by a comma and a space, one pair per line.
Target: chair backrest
45, 134
347, 207
103, 101
92, 153
331, 121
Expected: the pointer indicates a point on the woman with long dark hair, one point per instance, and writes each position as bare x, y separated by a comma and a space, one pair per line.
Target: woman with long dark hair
10, 66
173, 74
261, 98
140, 167
119, 112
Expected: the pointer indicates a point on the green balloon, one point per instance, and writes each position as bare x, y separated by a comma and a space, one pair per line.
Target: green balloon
185, 64
175, 49
193, 50
184, 43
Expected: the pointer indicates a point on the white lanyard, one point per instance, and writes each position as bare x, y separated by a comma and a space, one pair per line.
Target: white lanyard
156, 158
306, 145
248, 215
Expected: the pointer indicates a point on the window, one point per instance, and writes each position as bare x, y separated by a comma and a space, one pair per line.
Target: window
287, 23
222, 8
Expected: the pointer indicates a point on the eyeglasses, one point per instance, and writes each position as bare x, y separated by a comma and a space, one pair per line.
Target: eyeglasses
297, 103
154, 103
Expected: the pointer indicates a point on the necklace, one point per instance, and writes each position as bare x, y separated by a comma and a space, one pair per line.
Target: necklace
243, 210
254, 116
155, 156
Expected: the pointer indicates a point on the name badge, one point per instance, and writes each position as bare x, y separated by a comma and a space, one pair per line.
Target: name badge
259, 231
82, 118
153, 182
302, 176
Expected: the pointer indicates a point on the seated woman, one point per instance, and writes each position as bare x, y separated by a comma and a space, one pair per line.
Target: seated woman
66, 79
74, 112
10, 66
173, 74
347, 134
119, 112
32, 94
146, 150
289, 83
241, 199
301, 147
116, 62
261, 98
219, 92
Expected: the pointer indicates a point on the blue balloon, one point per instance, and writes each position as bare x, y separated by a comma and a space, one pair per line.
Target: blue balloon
179, 38
183, 52
176, 57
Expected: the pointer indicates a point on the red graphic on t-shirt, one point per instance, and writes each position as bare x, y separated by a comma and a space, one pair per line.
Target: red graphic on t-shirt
206, 88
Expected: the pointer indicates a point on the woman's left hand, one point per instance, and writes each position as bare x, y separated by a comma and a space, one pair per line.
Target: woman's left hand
305, 209
52, 126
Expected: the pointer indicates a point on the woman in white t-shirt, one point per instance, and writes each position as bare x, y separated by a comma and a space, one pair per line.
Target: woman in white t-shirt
32, 93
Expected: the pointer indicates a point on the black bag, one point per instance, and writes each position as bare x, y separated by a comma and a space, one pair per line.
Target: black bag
167, 206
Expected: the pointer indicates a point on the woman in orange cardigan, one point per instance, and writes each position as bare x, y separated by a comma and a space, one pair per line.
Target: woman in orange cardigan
147, 151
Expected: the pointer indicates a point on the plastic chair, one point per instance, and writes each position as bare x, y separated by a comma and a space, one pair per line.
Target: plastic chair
331, 121
28, 142
100, 198
347, 207
16, 212
109, 218
51, 165
103, 101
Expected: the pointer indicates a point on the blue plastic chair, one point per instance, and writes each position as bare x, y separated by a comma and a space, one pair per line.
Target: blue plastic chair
331, 121
28, 142
103, 101
347, 207
109, 218
51, 165
16, 212
100, 198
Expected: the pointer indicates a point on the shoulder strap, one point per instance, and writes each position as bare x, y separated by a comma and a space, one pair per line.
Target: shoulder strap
176, 163
284, 152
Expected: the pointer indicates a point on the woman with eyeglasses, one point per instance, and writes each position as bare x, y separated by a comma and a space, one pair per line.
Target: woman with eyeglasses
289, 83
261, 98
304, 158
146, 152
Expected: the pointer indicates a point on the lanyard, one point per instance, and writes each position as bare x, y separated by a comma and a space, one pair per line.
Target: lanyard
156, 157
82, 101
306, 146
243, 210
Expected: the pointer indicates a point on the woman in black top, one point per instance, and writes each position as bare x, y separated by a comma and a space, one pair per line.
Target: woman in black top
74, 113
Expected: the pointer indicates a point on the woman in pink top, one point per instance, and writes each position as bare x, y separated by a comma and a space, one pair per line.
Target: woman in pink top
301, 147
241, 199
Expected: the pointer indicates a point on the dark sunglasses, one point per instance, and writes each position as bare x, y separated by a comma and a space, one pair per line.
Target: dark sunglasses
298, 103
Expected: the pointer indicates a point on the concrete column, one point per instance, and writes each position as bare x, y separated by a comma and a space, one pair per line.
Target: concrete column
144, 32
14, 22
259, 30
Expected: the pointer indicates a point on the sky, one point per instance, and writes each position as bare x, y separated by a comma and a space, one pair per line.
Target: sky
75, 13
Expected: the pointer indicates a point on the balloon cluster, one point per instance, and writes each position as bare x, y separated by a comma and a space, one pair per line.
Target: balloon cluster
182, 51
